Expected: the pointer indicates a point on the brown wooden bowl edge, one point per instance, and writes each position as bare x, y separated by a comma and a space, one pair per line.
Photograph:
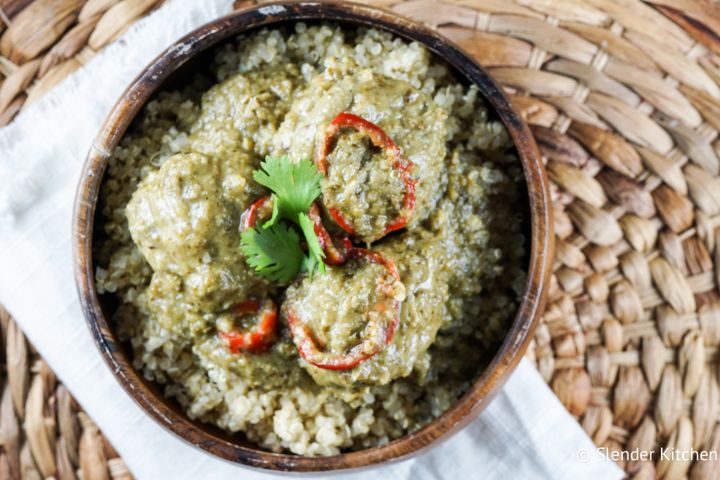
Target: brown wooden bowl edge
524, 323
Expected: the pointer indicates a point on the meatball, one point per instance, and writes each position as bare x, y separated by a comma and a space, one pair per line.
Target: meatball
184, 218
170, 306
243, 112
361, 182
335, 308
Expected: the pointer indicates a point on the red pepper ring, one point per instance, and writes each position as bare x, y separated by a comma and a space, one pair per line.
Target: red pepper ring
333, 254
249, 217
378, 334
261, 336
381, 140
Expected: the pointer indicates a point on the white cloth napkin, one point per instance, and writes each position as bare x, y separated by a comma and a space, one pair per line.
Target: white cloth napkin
525, 433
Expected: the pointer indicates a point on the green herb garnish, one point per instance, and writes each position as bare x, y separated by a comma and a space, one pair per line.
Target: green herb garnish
316, 254
274, 250
294, 185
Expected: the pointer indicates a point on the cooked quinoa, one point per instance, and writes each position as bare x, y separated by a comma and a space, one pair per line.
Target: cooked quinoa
462, 254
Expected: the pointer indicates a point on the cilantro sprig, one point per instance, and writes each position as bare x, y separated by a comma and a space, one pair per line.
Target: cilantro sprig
294, 185
316, 255
274, 250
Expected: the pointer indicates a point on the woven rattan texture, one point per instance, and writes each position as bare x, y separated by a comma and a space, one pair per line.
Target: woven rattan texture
46, 40
43, 432
624, 99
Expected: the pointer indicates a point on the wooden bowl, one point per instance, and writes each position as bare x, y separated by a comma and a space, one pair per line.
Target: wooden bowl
173, 64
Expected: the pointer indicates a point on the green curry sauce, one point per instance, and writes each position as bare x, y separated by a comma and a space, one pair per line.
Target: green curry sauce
420, 317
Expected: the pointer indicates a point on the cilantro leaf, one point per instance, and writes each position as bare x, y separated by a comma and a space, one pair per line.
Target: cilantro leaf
273, 252
315, 252
275, 211
295, 186
309, 265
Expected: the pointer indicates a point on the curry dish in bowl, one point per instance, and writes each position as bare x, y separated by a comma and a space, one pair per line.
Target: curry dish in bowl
318, 245
319, 242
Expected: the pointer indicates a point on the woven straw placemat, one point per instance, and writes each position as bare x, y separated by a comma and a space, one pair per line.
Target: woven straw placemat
624, 99
43, 432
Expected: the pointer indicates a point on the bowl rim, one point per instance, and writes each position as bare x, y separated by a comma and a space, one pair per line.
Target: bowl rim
213, 33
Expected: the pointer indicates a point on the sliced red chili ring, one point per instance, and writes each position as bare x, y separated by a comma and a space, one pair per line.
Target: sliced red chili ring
333, 254
381, 140
378, 334
249, 217
263, 207
340, 220
261, 336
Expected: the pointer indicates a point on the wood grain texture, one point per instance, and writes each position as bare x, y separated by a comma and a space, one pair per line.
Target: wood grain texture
234, 447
